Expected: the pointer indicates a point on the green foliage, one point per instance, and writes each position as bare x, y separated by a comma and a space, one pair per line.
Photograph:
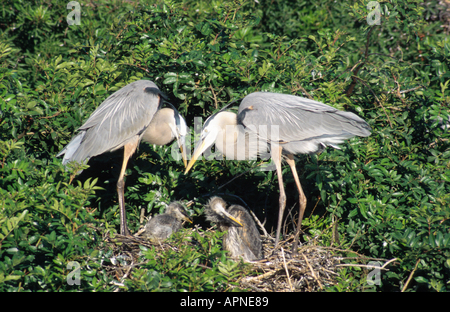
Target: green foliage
45, 225
389, 192
202, 267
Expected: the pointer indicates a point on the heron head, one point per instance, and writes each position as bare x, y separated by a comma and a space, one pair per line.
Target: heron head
208, 136
178, 211
216, 212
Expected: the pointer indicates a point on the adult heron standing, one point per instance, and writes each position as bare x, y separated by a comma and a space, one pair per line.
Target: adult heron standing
285, 125
126, 117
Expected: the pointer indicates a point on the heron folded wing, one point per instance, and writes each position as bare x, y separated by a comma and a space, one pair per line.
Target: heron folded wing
118, 120
289, 118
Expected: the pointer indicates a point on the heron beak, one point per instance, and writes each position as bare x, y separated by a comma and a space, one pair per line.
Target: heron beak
197, 152
182, 145
185, 216
232, 219
208, 137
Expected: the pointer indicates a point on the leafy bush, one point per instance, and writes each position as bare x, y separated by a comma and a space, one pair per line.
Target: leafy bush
203, 267
389, 192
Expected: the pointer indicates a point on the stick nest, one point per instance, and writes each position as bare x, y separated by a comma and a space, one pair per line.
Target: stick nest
312, 269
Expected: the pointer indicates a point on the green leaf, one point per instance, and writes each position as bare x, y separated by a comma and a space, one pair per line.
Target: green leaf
170, 80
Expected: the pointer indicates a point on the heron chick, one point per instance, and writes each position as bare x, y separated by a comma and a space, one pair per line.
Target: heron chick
242, 238
162, 226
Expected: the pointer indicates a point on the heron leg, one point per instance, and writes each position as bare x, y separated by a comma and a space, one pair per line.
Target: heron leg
128, 150
301, 199
276, 156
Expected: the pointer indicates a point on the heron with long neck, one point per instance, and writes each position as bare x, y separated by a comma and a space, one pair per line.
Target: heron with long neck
126, 117
285, 125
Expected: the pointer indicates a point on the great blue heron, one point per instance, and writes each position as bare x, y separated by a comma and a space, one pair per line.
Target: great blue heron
162, 226
286, 125
128, 115
242, 238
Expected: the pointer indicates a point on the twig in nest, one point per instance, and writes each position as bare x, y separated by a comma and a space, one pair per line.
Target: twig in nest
138, 233
262, 276
261, 226
128, 270
286, 269
254, 288
312, 271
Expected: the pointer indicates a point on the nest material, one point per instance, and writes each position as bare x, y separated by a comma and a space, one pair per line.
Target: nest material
126, 252
311, 269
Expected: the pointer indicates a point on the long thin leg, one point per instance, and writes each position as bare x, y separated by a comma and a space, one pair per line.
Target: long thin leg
301, 199
276, 156
128, 150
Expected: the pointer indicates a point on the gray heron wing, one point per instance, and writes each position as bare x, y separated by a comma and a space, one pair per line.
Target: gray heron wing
301, 121
122, 116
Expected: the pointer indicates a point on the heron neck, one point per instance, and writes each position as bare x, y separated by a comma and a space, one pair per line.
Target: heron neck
159, 131
228, 133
